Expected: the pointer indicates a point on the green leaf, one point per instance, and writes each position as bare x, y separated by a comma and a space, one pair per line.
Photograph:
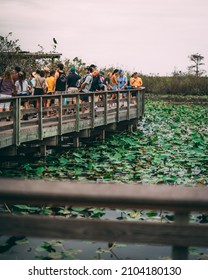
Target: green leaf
151, 214
39, 170
63, 161
77, 155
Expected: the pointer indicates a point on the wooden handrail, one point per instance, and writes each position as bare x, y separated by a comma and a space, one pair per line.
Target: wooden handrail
129, 196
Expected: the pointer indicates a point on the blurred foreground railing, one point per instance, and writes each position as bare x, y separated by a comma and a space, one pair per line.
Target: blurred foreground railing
181, 199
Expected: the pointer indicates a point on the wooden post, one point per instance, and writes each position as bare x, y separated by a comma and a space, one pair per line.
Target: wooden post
76, 142
142, 100
40, 118
60, 115
102, 135
106, 108
130, 127
16, 115
43, 150
78, 112
140, 103
93, 110
137, 104
118, 107
180, 252
128, 105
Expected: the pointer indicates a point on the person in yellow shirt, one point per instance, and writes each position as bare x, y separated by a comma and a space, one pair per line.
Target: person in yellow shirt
135, 80
51, 88
135, 83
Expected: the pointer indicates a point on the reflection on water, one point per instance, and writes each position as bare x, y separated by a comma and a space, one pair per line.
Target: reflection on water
32, 248
82, 250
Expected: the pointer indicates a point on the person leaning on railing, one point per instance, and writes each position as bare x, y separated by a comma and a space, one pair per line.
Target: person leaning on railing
22, 89
60, 83
135, 82
86, 86
72, 79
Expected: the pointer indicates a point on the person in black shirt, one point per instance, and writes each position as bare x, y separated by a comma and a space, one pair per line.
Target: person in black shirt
72, 79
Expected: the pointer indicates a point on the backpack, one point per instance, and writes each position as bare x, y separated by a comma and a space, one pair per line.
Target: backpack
62, 77
81, 81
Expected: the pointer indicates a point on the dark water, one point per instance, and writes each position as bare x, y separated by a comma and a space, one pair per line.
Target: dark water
83, 250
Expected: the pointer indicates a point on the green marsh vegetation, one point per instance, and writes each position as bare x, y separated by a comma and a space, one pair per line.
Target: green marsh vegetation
170, 146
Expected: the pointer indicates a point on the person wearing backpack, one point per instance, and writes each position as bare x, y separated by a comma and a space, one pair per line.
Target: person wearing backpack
60, 82
85, 86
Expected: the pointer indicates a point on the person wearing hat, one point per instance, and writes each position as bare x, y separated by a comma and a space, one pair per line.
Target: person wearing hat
122, 84
72, 79
122, 80
86, 85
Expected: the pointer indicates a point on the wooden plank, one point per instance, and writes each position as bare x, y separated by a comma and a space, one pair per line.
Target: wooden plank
104, 230
129, 196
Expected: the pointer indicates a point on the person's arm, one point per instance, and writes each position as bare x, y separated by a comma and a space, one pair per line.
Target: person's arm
125, 83
141, 83
56, 78
132, 82
82, 86
35, 83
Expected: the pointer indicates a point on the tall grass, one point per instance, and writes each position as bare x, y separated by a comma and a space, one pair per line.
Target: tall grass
183, 85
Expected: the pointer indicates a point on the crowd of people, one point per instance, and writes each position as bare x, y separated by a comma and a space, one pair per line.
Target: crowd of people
46, 81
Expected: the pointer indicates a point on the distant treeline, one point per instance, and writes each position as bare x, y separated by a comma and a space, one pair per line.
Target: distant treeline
182, 85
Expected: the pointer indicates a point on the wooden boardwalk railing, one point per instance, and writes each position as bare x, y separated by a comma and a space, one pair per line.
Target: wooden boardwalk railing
109, 112
181, 199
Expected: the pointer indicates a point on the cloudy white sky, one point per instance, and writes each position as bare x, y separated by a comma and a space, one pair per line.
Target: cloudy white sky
150, 36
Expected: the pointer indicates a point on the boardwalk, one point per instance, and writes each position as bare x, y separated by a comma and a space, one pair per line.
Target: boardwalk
99, 116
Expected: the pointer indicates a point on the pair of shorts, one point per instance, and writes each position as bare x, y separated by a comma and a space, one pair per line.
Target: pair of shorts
56, 100
84, 97
7, 104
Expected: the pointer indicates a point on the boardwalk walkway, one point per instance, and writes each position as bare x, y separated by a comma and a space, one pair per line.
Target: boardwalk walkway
98, 116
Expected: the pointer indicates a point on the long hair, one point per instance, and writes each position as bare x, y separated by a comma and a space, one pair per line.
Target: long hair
21, 79
7, 76
115, 71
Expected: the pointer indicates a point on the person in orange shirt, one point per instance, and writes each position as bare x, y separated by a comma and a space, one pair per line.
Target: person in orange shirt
136, 83
51, 89
114, 82
114, 79
135, 80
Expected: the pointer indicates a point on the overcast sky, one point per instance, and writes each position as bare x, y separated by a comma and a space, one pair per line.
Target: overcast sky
149, 36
